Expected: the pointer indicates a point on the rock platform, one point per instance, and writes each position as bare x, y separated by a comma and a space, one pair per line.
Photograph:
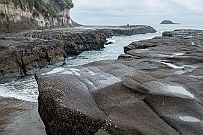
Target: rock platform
25, 53
155, 88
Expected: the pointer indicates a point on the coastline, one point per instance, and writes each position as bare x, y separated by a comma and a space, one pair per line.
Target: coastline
25, 53
146, 91
13, 110
33, 110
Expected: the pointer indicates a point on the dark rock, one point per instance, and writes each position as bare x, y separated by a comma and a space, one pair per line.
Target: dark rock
156, 91
136, 29
80, 116
21, 53
167, 22
125, 112
184, 33
125, 56
108, 43
24, 55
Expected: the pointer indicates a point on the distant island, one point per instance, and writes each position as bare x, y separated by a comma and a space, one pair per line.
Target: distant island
168, 22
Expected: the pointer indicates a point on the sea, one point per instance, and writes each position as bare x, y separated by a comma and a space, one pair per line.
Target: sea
26, 88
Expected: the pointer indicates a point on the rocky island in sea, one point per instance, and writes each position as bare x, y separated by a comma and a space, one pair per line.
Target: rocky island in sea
168, 22
154, 88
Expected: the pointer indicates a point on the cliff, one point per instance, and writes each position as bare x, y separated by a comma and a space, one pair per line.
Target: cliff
16, 15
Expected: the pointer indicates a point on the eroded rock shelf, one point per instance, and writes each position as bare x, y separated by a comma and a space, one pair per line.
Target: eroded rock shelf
24, 53
155, 88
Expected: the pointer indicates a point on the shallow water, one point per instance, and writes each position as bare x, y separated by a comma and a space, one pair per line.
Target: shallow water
178, 90
172, 65
23, 89
189, 119
26, 88
175, 90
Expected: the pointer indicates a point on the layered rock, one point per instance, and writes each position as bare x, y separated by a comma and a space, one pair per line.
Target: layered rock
155, 88
24, 53
18, 15
21, 55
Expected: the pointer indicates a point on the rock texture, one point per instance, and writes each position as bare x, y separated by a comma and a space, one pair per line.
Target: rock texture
18, 15
24, 53
155, 88
167, 22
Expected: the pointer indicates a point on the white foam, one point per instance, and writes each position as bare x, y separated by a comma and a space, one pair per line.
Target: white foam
178, 54
91, 83
162, 55
56, 70
179, 90
189, 119
148, 38
75, 71
193, 43
169, 89
111, 40
141, 50
91, 72
72, 71
22, 89
172, 65
67, 72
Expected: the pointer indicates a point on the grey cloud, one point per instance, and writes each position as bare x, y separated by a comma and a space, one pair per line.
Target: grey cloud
144, 6
136, 11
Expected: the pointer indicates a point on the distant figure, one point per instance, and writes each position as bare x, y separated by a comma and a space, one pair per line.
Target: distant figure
128, 25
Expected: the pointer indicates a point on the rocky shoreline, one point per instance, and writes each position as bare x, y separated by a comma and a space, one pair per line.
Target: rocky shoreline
24, 53
155, 88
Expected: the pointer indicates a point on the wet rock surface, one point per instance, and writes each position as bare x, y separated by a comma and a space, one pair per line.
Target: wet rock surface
19, 118
155, 88
24, 53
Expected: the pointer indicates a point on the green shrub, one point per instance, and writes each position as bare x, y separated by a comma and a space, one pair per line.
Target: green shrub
43, 7
40, 5
69, 3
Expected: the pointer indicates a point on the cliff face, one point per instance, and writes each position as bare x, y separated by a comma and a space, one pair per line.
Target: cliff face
17, 15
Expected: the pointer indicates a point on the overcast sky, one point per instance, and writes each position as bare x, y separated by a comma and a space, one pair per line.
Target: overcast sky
121, 11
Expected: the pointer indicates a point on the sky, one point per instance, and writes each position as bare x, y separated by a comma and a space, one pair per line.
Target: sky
117, 12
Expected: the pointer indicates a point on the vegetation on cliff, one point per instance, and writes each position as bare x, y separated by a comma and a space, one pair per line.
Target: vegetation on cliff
17, 15
42, 6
